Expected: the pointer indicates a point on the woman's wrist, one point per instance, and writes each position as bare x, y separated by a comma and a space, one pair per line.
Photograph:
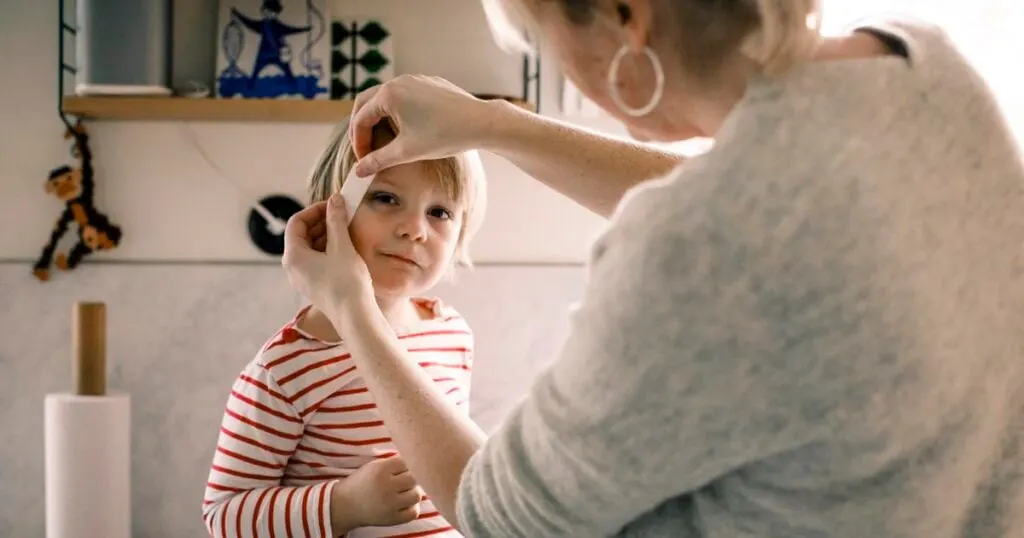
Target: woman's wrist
355, 305
496, 116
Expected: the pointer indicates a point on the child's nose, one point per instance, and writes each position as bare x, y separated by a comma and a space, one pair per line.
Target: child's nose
412, 227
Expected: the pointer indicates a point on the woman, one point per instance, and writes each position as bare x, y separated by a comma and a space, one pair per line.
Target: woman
814, 329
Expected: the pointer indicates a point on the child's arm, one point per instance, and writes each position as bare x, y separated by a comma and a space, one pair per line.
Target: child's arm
259, 433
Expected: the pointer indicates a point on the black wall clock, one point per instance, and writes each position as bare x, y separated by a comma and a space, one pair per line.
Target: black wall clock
267, 236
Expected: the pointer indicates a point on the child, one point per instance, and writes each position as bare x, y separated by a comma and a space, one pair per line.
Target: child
302, 450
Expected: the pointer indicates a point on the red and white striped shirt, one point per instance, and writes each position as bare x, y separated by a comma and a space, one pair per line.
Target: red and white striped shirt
299, 418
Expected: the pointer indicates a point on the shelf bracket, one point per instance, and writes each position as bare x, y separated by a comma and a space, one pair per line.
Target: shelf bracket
531, 79
62, 62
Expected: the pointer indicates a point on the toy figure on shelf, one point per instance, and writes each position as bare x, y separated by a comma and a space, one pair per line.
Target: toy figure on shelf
74, 187
271, 51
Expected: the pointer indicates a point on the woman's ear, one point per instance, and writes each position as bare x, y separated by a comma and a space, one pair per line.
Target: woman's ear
635, 18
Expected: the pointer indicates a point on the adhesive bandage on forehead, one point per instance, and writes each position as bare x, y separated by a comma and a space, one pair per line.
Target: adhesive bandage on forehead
327, 171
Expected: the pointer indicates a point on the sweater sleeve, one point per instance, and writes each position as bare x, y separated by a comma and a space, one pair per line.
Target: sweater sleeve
244, 496
666, 382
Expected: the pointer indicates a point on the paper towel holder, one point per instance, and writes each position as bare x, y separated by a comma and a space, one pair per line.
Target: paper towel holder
89, 349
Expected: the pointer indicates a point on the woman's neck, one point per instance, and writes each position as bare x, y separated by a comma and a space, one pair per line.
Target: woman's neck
709, 112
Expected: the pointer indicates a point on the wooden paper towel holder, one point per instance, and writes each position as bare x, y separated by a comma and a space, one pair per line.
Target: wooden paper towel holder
89, 349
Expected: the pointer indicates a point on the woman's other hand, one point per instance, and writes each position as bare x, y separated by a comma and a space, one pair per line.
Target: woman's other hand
432, 118
321, 262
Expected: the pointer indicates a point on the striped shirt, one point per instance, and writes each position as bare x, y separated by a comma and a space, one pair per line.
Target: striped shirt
299, 418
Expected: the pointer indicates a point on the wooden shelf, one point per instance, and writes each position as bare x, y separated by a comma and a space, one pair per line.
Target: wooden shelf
211, 109
207, 109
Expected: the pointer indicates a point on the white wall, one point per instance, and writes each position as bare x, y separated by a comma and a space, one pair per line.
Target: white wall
173, 205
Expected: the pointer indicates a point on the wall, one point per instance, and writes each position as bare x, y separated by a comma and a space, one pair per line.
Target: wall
178, 332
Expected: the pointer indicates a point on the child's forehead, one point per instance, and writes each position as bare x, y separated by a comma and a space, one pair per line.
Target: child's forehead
416, 176
414, 172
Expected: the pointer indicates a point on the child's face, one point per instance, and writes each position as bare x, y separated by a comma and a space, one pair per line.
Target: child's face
406, 230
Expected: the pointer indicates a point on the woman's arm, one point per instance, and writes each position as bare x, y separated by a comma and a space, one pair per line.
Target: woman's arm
593, 169
434, 438
435, 119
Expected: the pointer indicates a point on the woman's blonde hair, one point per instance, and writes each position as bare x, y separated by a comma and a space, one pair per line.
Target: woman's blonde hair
461, 176
788, 33
775, 34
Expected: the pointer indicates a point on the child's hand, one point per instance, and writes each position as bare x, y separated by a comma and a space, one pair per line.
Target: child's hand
381, 493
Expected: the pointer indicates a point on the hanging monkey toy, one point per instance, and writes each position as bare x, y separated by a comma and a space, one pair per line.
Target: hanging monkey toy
74, 187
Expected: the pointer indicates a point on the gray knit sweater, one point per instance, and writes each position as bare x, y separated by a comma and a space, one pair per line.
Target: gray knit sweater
814, 330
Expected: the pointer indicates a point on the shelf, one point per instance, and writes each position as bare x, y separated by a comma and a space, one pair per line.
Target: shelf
210, 109
206, 109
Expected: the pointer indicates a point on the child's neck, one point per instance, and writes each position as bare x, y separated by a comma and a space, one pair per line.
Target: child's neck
399, 312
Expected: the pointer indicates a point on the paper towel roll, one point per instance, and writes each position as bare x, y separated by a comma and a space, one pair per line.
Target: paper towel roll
88, 466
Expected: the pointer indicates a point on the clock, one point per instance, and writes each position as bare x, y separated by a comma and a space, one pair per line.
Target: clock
266, 222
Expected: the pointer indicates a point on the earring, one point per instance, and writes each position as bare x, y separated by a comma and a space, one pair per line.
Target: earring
659, 83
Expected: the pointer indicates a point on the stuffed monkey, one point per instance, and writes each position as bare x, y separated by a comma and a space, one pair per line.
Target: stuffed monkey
74, 187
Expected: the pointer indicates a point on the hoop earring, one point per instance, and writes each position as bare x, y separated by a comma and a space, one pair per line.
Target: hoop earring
659, 83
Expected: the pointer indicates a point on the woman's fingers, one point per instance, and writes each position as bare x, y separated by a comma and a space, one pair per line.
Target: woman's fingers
296, 231
369, 108
318, 228
391, 101
429, 115
320, 243
306, 219
391, 154
363, 97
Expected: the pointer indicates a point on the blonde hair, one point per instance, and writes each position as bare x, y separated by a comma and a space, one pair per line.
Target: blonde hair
775, 34
788, 33
461, 176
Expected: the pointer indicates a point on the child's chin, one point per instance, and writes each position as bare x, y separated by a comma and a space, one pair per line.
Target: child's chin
394, 287
395, 284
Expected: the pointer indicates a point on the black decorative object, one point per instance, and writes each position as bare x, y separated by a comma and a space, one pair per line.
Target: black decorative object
265, 235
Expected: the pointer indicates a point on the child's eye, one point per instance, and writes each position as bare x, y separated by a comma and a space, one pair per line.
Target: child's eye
383, 197
440, 213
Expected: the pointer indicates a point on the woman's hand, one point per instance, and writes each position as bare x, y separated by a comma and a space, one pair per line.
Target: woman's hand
432, 119
320, 260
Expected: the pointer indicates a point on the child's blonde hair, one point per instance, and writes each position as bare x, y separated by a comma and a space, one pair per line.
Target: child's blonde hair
461, 176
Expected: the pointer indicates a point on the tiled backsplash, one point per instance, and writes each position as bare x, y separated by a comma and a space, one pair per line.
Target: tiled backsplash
177, 336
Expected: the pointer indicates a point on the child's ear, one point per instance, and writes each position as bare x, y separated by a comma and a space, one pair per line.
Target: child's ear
461, 257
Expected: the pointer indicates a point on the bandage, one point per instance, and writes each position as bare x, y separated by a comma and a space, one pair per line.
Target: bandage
353, 190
